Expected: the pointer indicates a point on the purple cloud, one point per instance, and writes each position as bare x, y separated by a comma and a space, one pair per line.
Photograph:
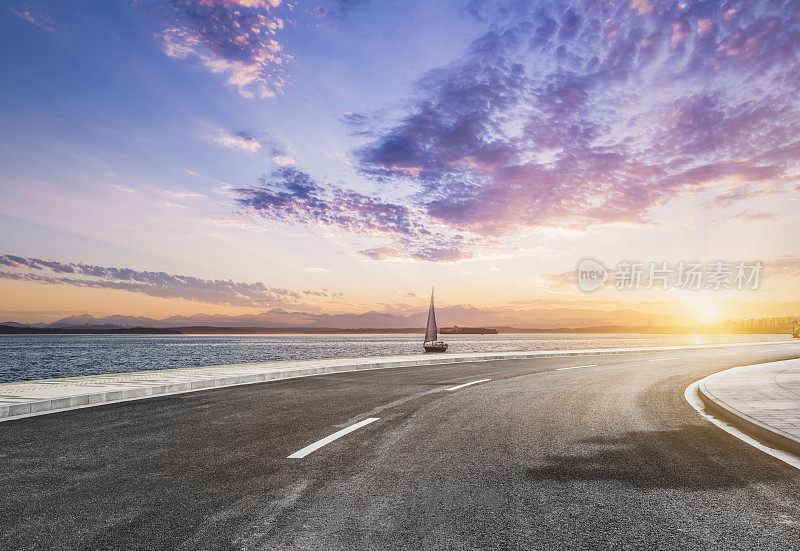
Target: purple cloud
236, 38
13, 261
570, 114
748, 192
338, 9
156, 284
582, 113
289, 195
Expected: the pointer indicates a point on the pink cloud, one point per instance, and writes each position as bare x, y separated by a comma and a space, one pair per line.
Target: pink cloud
156, 284
754, 215
234, 38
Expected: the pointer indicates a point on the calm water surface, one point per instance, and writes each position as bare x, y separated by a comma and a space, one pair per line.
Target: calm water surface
25, 357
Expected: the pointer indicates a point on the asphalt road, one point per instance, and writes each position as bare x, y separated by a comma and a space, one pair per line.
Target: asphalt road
538, 457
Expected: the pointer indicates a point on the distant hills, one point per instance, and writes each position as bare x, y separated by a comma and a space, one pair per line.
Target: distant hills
13, 324
543, 318
22, 329
281, 322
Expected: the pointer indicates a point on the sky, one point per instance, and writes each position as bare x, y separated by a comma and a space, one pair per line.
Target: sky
280, 159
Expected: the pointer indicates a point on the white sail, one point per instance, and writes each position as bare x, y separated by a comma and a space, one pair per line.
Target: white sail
431, 333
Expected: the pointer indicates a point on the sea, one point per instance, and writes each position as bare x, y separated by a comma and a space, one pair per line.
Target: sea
29, 357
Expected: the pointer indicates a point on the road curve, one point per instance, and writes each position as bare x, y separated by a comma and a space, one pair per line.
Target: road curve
531, 456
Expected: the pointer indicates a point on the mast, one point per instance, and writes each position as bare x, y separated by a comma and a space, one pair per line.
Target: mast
431, 332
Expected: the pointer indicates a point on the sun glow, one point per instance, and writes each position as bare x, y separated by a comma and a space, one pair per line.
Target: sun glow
710, 314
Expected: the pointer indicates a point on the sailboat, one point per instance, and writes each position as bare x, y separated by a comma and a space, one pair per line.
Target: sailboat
432, 333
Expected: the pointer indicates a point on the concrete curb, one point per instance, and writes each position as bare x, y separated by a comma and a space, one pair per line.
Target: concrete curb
129, 388
42, 407
769, 434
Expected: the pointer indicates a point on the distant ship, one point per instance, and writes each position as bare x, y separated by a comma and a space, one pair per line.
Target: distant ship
456, 330
431, 343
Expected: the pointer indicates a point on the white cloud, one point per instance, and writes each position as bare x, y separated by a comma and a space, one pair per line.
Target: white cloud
184, 194
283, 160
238, 140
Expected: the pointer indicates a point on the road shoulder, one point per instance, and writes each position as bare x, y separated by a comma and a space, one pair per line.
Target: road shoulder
763, 400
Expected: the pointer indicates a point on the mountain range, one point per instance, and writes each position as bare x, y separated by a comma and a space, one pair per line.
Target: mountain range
447, 316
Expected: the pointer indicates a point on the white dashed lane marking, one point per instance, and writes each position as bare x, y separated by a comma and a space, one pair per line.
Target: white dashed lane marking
328, 439
468, 384
576, 367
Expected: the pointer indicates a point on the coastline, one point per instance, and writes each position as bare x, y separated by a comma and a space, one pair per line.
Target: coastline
37, 397
48, 356
214, 330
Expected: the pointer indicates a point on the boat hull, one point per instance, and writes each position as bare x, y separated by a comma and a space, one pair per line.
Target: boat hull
435, 347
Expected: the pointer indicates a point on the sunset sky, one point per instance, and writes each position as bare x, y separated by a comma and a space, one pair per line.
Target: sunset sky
248, 156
